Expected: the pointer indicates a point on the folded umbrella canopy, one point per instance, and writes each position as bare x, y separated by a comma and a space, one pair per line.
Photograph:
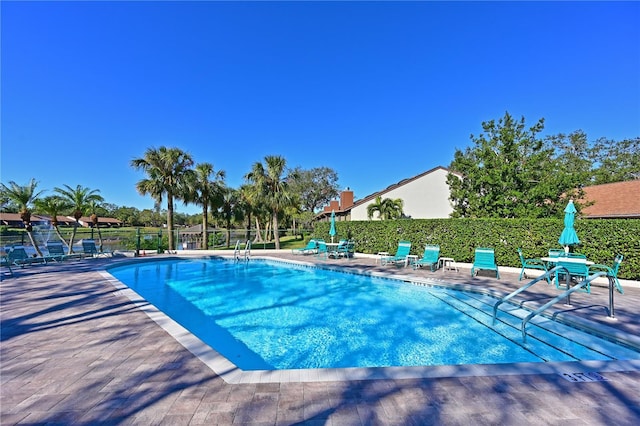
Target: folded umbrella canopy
332, 230
569, 237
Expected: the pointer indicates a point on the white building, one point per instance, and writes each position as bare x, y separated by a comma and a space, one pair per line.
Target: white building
425, 196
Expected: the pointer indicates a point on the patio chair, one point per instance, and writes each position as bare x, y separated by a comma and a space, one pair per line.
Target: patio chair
577, 271
18, 256
345, 248
89, 248
322, 249
556, 252
310, 248
484, 259
430, 257
611, 271
531, 263
404, 247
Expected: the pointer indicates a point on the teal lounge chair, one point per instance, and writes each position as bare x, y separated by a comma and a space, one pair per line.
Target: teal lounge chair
4, 261
431, 257
485, 258
404, 247
531, 264
18, 256
611, 271
310, 248
90, 249
56, 252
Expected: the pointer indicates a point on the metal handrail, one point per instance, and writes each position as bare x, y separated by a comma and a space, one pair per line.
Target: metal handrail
521, 289
236, 251
247, 251
558, 298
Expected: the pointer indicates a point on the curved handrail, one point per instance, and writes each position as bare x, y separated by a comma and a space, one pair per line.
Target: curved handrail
247, 251
236, 251
557, 299
521, 289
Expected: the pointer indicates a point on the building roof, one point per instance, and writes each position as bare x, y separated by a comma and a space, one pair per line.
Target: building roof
397, 185
612, 200
389, 188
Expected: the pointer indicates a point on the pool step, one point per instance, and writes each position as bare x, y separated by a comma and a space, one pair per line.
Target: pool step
563, 341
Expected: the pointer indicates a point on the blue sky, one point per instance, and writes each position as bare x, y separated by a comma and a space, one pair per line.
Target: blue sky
378, 91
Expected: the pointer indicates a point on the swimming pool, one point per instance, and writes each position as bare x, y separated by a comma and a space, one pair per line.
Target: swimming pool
268, 315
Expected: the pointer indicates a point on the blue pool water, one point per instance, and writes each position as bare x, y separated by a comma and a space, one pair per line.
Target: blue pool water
270, 315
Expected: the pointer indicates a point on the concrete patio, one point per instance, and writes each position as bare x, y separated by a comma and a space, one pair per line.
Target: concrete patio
75, 350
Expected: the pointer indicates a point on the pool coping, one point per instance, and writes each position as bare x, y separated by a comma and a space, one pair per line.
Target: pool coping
232, 374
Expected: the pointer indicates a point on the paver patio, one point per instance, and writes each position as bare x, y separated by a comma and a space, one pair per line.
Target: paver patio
76, 351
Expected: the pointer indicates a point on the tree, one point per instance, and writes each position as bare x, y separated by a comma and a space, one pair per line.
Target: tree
273, 187
53, 205
386, 208
167, 172
510, 172
315, 187
24, 196
229, 211
206, 193
80, 200
616, 161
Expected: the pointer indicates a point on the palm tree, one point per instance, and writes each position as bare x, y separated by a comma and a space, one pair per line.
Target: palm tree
273, 187
24, 197
53, 205
205, 192
386, 208
168, 171
80, 200
229, 211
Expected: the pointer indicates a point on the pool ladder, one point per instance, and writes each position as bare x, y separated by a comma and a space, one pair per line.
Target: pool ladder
247, 252
566, 294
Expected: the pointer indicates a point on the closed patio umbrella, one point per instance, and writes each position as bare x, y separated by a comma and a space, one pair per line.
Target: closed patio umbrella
569, 237
332, 230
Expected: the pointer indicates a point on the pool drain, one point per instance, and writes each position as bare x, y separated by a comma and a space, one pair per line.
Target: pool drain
584, 377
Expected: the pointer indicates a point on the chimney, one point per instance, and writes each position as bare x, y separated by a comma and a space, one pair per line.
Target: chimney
346, 199
334, 205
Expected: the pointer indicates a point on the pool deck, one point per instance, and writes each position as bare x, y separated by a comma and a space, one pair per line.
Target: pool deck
77, 350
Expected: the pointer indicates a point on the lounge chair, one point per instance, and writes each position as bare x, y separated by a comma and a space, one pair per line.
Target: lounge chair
18, 256
484, 258
404, 247
430, 257
89, 248
56, 252
4, 261
611, 271
530, 263
310, 248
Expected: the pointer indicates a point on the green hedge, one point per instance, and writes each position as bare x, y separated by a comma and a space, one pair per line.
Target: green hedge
458, 238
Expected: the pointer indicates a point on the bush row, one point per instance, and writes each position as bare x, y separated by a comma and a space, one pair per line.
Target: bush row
600, 240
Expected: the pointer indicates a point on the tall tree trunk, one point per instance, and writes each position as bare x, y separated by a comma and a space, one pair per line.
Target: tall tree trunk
258, 238
247, 234
172, 246
73, 236
60, 236
205, 227
276, 234
33, 241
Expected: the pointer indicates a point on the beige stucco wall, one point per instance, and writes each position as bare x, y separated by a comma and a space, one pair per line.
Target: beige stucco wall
426, 197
